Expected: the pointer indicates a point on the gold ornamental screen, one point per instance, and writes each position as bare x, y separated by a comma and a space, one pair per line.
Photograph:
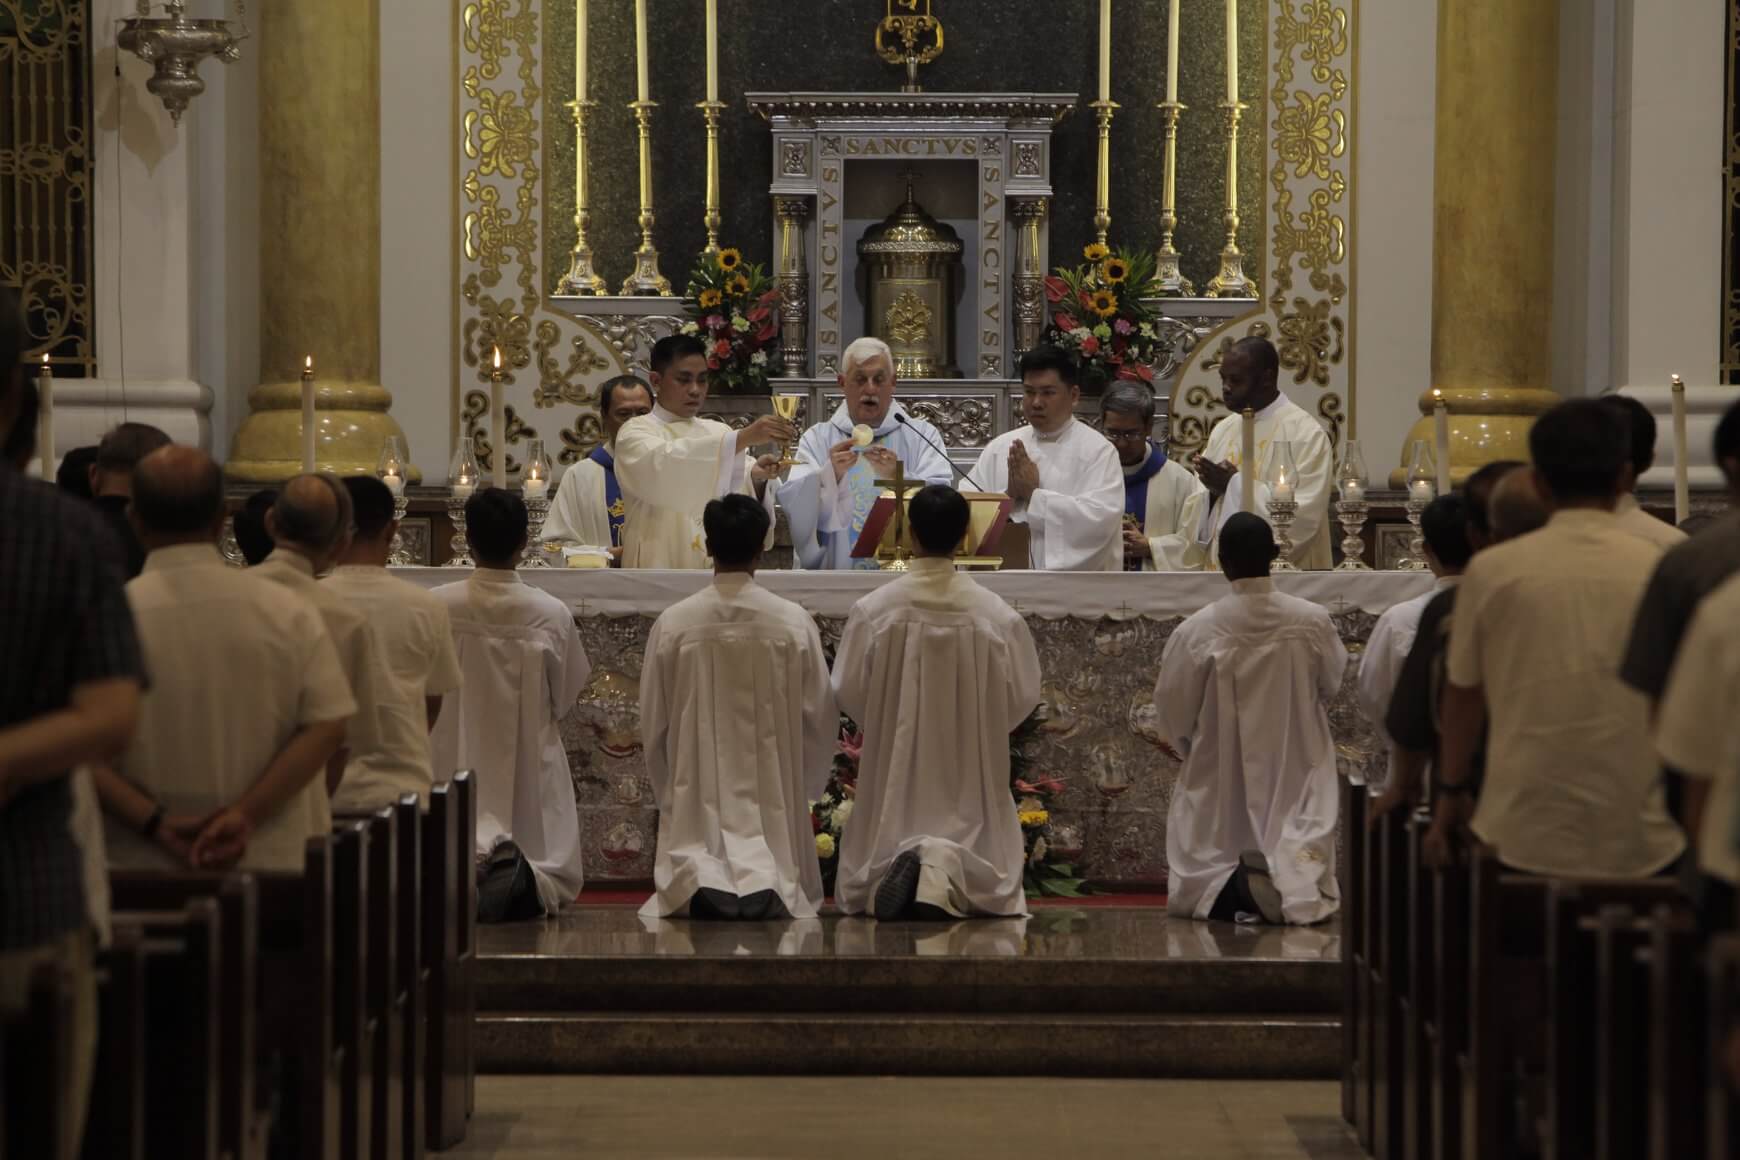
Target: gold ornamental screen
45, 175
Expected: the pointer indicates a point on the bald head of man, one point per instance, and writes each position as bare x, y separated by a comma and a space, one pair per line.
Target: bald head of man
1516, 506
312, 517
178, 498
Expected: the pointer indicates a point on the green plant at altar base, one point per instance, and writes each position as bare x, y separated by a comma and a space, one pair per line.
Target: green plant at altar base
1100, 311
733, 308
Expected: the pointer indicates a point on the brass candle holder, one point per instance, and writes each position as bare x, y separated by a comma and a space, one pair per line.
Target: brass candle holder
711, 111
1167, 275
646, 279
581, 278
1103, 184
1231, 282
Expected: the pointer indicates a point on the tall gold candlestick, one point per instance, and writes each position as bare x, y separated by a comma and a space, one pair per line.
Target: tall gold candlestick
1171, 279
1103, 187
581, 278
1231, 281
711, 110
646, 278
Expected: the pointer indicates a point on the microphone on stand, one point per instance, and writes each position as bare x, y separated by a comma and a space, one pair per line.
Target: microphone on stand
900, 417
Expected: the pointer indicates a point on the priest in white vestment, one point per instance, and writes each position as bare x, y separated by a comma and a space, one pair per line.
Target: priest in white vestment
522, 669
1063, 475
588, 509
739, 728
1243, 693
1444, 530
937, 672
829, 495
671, 463
1249, 376
1163, 501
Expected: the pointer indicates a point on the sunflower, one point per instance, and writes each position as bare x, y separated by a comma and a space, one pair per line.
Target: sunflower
1114, 270
730, 259
710, 298
738, 284
1096, 251
1105, 303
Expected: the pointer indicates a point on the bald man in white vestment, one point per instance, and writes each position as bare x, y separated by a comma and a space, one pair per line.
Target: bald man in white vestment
1243, 693
522, 670
1062, 474
671, 463
937, 672
828, 497
739, 728
1250, 376
1163, 500
589, 509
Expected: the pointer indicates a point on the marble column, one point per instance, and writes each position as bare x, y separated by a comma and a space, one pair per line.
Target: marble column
320, 242
1492, 238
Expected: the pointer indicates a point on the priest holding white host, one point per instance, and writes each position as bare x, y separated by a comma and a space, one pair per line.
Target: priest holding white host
1243, 693
1249, 376
828, 497
1163, 501
671, 462
589, 509
1063, 475
738, 723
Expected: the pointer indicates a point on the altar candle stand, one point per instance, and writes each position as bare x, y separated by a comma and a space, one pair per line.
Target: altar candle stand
497, 425
45, 418
1248, 462
1421, 492
391, 470
1682, 490
1441, 439
462, 482
1352, 509
535, 483
307, 413
1283, 503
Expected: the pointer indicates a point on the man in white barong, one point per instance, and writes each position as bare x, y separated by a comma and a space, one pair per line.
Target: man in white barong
671, 463
1063, 475
588, 509
1444, 531
829, 495
937, 672
1243, 693
522, 669
1249, 378
739, 726
1163, 501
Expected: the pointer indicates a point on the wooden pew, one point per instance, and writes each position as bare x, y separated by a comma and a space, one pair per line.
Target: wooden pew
1417, 1006
1678, 1048
449, 884
465, 781
1721, 1105
1356, 1093
183, 973
1386, 917
1622, 937
34, 1047
412, 992
384, 999
1505, 992
1446, 1029
296, 939
353, 1033
115, 1127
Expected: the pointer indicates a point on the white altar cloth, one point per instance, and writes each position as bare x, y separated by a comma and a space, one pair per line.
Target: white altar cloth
1052, 595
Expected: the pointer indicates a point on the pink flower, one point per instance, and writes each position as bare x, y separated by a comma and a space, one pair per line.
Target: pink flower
715, 321
852, 746
1124, 326
1055, 290
1065, 321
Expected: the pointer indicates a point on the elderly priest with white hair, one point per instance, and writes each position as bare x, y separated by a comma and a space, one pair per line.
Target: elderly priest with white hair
829, 495
1063, 475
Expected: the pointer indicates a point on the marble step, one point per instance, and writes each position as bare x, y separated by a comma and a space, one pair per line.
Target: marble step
570, 984
841, 1043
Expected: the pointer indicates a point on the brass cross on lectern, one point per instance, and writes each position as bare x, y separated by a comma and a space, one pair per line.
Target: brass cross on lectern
900, 485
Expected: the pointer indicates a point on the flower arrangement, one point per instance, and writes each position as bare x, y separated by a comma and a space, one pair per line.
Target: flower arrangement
1097, 310
733, 308
830, 812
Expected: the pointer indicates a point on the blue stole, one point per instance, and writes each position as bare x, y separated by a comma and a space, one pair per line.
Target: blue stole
612, 493
1136, 496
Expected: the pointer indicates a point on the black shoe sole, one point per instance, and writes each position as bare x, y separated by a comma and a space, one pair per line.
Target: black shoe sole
899, 888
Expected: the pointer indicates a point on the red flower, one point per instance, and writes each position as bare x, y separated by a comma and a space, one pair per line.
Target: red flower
1065, 321
759, 313
722, 348
1087, 300
1090, 346
1136, 372
767, 332
712, 364
1055, 289
815, 823
769, 298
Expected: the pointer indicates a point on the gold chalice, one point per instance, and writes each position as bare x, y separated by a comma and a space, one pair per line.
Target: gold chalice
786, 407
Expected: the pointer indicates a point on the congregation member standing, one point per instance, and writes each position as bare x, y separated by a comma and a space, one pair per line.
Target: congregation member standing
111, 478
739, 725
1163, 501
310, 524
522, 669
1243, 697
1062, 474
589, 509
415, 643
1250, 378
1640, 432
1572, 786
671, 462
69, 694
937, 671
829, 495
247, 702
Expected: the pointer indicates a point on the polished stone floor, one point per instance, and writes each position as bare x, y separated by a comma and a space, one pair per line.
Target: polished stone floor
646, 1117
1135, 933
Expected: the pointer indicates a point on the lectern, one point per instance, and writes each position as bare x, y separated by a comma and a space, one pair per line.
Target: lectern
888, 537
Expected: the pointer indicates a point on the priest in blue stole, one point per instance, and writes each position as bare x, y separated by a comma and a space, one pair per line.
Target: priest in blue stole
588, 506
829, 495
1162, 500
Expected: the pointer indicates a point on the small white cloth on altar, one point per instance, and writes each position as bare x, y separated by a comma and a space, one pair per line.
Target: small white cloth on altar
937, 672
826, 515
669, 468
1386, 650
1282, 421
523, 668
739, 728
1242, 695
1076, 515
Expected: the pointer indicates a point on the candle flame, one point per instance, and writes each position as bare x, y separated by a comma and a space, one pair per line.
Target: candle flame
1437, 395
1679, 383
307, 364
45, 360
497, 357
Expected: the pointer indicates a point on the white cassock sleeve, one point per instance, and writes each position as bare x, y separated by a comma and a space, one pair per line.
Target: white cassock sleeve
670, 473
655, 718
578, 513
1316, 462
853, 660
809, 498
1179, 691
1176, 504
821, 719
745, 485
1072, 531
1023, 676
569, 671
1380, 666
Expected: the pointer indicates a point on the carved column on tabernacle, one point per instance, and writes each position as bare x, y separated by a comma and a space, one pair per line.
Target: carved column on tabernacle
1492, 229
320, 244
1028, 213
794, 285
